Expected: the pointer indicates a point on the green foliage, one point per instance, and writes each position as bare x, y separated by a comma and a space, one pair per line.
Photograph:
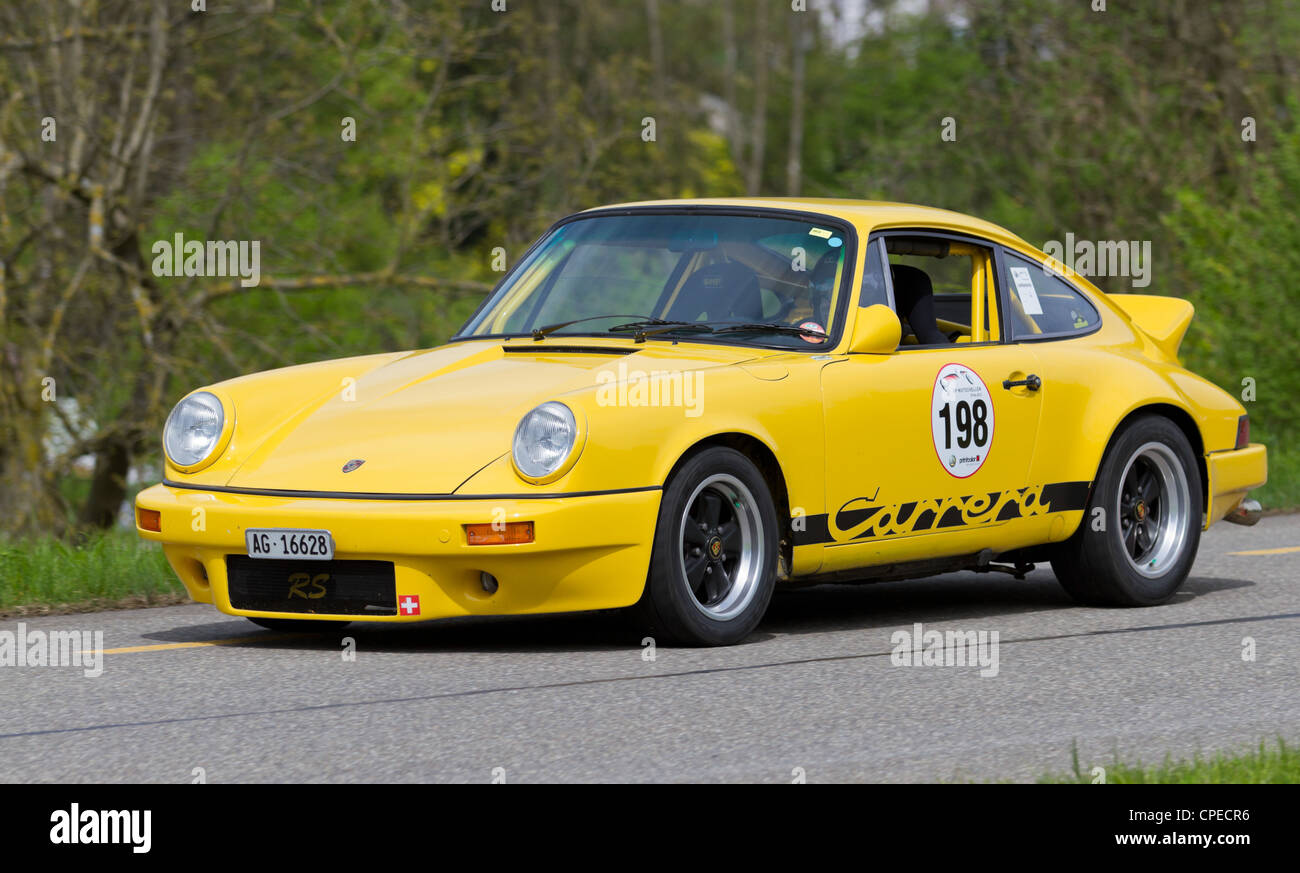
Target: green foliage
102, 569
469, 137
1269, 764
1239, 259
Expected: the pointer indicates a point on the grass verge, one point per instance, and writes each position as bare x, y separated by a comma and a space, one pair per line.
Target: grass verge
107, 570
1270, 763
1282, 491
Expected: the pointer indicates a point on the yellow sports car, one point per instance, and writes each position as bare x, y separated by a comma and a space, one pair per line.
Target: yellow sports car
677, 406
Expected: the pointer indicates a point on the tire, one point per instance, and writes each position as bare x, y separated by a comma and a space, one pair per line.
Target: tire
1149, 489
717, 503
299, 625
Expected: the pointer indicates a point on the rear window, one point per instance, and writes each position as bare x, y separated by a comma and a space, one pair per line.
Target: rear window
1043, 304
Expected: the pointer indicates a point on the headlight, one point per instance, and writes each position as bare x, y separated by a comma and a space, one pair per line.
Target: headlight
544, 440
194, 429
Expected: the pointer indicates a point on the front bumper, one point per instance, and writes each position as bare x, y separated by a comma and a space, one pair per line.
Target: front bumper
1232, 474
589, 552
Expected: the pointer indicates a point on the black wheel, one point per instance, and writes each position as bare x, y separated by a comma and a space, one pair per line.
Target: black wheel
714, 562
299, 625
1138, 550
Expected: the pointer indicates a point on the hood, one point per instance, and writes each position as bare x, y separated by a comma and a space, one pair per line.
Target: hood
427, 422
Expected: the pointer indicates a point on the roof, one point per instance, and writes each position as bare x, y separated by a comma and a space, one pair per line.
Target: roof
873, 213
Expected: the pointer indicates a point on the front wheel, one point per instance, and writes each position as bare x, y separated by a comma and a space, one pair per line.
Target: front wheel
714, 562
1139, 548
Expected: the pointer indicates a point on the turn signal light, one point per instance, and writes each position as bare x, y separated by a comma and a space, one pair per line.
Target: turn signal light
510, 533
149, 519
1243, 431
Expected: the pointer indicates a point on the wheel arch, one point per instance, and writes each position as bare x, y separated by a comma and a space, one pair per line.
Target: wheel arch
761, 454
1185, 422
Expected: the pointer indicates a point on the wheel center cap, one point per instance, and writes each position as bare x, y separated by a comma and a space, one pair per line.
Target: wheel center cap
1140, 510
714, 546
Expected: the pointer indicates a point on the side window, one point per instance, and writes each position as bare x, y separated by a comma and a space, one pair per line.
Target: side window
938, 287
874, 289
1043, 304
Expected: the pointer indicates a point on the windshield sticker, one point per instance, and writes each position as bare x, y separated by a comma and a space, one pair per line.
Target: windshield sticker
835, 242
1025, 288
812, 325
821, 232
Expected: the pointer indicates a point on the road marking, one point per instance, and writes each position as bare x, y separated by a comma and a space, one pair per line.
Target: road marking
164, 646
1282, 551
607, 680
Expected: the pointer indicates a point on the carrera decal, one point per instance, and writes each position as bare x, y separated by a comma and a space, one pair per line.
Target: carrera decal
855, 520
859, 519
961, 420
809, 530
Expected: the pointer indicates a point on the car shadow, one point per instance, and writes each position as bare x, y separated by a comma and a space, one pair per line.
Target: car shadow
564, 632
816, 609
951, 597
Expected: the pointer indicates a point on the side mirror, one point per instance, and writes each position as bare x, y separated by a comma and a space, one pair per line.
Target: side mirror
876, 331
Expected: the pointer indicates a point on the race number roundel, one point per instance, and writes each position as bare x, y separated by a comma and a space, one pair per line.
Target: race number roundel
961, 420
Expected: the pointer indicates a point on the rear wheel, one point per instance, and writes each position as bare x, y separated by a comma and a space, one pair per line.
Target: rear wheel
713, 568
1139, 549
299, 625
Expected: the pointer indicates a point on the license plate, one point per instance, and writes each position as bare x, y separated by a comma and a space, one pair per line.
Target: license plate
281, 542
321, 588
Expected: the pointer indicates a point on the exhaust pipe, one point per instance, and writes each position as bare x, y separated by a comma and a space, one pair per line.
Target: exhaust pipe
1247, 513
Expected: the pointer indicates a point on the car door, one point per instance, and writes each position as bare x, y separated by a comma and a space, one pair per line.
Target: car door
1045, 311
928, 449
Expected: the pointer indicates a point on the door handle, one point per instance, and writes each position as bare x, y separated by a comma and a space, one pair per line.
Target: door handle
1032, 382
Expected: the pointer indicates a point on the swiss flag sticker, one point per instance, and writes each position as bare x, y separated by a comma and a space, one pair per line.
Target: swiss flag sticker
409, 604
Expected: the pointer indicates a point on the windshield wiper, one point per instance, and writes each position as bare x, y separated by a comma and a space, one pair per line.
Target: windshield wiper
540, 333
653, 326
649, 326
648, 322
664, 325
661, 326
772, 327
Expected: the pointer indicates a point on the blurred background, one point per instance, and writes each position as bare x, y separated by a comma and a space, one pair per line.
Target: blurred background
391, 155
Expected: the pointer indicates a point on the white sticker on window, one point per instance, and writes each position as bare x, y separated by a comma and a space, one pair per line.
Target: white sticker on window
961, 420
1025, 288
820, 231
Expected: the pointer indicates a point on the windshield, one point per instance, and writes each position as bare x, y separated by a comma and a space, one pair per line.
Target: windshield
751, 279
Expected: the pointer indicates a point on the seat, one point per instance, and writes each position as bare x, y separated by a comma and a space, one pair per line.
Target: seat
914, 299
725, 291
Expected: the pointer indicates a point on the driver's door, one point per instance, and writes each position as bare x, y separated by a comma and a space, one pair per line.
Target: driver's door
926, 451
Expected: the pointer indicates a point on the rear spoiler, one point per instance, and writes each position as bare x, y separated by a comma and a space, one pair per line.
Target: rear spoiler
1164, 319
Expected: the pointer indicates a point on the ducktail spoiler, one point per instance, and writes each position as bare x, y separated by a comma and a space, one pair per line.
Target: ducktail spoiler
1164, 319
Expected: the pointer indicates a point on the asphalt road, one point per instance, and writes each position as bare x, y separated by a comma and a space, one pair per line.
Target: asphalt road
573, 699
